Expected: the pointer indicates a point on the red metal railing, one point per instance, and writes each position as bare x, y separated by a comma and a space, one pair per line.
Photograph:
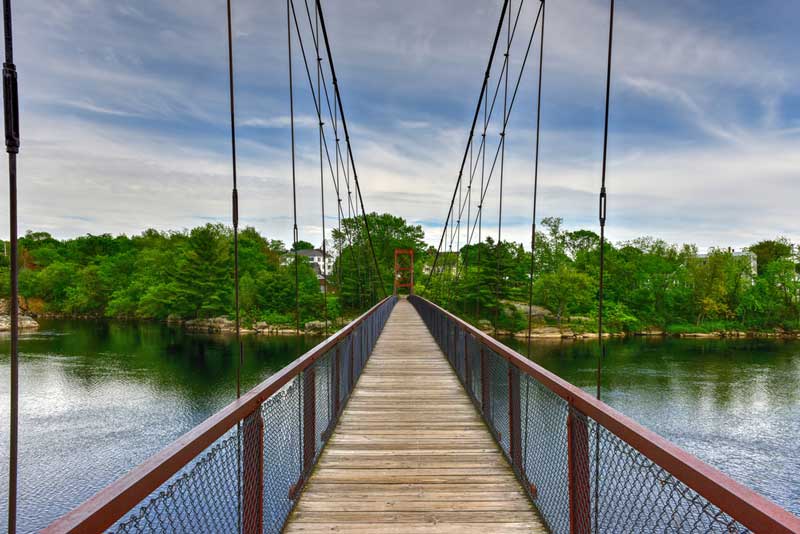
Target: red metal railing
242, 468
587, 467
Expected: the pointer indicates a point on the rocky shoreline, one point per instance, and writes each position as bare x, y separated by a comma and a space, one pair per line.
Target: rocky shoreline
552, 332
25, 323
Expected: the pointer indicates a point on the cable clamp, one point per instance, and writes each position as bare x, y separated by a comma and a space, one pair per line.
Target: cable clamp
11, 101
602, 206
235, 205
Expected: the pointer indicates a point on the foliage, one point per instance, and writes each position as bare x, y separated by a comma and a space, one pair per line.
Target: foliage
156, 275
648, 283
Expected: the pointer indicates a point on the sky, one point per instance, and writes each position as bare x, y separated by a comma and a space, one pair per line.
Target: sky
125, 118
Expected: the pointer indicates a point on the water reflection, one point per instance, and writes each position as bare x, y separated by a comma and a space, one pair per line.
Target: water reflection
98, 398
733, 403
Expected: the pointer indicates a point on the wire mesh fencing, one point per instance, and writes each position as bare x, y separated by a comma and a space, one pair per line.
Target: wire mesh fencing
581, 476
250, 478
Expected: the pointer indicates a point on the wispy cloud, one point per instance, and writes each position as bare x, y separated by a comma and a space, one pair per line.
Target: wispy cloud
126, 120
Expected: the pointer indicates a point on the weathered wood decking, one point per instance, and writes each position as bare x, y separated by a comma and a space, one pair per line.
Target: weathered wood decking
411, 454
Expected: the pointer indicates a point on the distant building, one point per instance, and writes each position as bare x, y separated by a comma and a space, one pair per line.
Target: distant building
318, 261
750, 257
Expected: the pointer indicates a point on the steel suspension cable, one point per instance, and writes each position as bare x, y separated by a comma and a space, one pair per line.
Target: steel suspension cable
11, 115
235, 221
510, 106
499, 245
533, 221
322, 179
318, 108
234, 206
602, 218
295, 234
482, 148
471, 134
478, 220
535, 181
338, 95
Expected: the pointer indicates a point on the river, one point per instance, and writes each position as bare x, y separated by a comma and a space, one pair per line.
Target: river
98, 398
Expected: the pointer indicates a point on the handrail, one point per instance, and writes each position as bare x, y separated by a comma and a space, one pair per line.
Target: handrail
111, 503
752, 509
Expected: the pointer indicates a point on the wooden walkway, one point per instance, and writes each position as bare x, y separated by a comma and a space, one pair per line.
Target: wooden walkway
411, 454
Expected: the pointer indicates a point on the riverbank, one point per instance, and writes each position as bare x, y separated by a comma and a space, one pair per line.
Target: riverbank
551, 332
25, 323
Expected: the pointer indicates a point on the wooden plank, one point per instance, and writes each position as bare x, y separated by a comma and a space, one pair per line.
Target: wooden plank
410, 453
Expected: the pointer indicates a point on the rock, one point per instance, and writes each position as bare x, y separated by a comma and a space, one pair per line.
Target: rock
651, 332
174, 319
547, 332
536, 311
315, 327
214, 324
25, 323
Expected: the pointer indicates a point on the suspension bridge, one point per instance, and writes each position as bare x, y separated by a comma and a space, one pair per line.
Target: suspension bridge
409, 419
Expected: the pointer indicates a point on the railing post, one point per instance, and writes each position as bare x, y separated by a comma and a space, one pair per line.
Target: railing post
484, 383
309, 419
578, 472
351, 385
253, 473
467, 365
514, 419
336, 377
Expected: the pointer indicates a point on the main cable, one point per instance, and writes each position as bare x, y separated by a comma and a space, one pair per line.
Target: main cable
602, 217
11, 115
533, 223
471, 134
338, 96
499, 245
296, 236
535, 182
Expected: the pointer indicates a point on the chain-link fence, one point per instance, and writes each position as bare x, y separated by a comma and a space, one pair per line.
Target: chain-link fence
249, 479
581, 475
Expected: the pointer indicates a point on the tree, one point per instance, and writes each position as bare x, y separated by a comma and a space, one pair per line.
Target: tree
564, 291
770, 250
302, 245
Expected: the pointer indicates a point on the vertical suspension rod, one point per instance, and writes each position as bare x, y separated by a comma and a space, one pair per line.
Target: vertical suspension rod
295, 234
338, 96
602, 218
11, 115
471, 135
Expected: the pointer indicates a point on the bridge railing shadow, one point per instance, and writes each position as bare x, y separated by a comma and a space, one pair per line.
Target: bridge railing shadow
242, 469
587, 467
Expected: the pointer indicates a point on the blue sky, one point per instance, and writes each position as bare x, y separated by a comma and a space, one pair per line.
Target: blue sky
125, 118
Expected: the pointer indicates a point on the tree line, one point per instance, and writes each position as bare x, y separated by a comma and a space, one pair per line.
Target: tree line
649, 284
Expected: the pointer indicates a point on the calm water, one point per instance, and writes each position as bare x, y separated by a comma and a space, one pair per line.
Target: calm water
733, 403
99, 398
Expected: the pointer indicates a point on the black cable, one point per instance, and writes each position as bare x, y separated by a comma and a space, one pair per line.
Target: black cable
11, 115
235, 220
322, 181
234, 205
535, 183
499, 245
533, 222
471, 134
602, 218
511, 105
338, 96
296, 236
333, 115
478, 221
